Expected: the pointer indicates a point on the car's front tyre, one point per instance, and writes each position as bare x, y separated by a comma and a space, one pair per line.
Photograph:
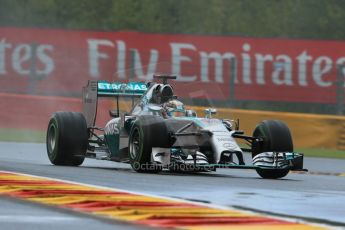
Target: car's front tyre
146, 132
276, 138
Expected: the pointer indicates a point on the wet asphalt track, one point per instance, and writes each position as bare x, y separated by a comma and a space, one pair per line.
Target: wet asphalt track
319, 195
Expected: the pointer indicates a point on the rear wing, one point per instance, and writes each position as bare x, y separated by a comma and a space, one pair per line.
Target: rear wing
95, 89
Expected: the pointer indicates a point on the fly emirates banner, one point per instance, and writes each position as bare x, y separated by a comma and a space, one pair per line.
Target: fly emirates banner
60, 62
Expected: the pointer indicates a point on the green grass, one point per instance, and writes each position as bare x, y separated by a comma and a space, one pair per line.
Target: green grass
20, 135
327, 153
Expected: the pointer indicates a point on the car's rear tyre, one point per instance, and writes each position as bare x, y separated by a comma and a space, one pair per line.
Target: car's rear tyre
146, 132
67, 138
277, 138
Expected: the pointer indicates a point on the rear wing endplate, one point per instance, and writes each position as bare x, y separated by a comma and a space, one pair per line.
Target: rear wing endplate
95, 89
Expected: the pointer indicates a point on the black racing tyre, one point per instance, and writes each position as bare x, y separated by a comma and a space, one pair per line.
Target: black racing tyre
277, 137
67, 138
147, 132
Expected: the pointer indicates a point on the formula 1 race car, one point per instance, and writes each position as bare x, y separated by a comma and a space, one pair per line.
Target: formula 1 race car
160, 133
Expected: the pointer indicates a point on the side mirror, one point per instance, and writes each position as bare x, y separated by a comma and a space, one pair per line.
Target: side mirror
210, 112
190, 113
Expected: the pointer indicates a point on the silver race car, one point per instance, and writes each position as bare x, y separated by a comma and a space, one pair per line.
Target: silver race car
160, 133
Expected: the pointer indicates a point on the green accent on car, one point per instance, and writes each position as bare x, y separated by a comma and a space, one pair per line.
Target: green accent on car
228, 166
113, 143
121, 89
195, 119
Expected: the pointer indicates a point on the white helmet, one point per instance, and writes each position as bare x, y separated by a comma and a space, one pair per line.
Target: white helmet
174, 108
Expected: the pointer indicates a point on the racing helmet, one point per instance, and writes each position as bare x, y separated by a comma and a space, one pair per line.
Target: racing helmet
174, 108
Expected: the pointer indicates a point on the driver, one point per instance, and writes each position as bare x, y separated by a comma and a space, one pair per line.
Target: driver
173, 108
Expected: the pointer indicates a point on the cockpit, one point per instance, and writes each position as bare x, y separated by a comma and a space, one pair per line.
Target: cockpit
160, 100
